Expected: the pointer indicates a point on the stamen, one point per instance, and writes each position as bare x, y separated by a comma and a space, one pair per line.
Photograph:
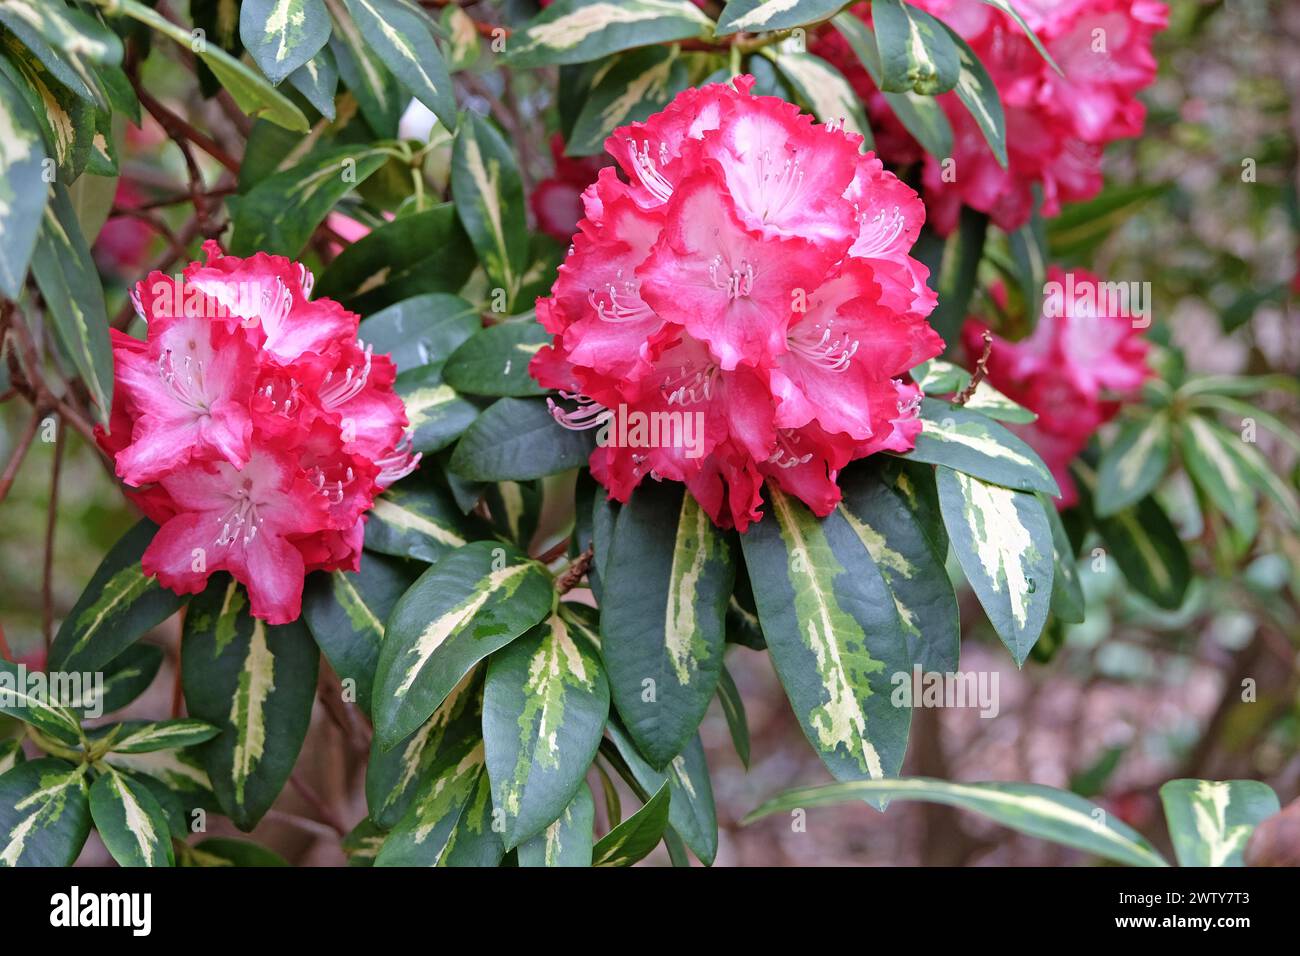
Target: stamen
738, 282
829, 351
334, 391
880, 232
689, 386
648, 173
185, 384
784, 455
588, 414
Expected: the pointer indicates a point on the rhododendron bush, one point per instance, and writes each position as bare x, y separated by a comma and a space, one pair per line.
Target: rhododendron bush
467, 409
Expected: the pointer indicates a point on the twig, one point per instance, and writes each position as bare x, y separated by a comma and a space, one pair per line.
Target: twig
38, 393
326, 813
179, 129
20, 452
574, 572
977, 376
51, 522
176, 199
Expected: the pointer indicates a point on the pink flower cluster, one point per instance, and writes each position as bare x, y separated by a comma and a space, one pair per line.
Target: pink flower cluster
753, 273
1085, 357
253, 426
1056, 125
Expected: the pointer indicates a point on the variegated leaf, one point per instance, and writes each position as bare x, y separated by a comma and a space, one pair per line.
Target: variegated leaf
1263, 474
833, 634
23, 189
912, 567
568, 841
517, 439
987, 400
733, 709
474, 601
422, 836
1003, 542
402, 35
11, 754
415, 521
254, 681
1209, 454
225, 851
1009, 9
435, 413
475, 840
68, 41
922, 116
422, 330
761, 16
279, 214
823, 89
634, 86
318, 81
116, 608
1210, 820
495, 360
515, 508
691, 811
125, 679
282, 35
29, 696
393, 777
972, 443
74, 298
663, 621
1067, 590
145, 737
977, 92
67, 122
363, 844
130, 821
346, 612
1132, 466
489, 199
1045, 812
636, 836
379, 96
544, 709
180, 771
463, 46
574, 31
44, 813
916, 52
251, 92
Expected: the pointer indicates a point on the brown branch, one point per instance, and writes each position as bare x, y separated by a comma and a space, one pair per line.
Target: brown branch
180, 130
175, 199
51, 522
34, 388
20, 452
977, 376
323, 810
574, 572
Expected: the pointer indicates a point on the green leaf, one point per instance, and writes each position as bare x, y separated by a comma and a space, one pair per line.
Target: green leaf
922, 116
74, 298
436, 416
420, 253
378, 94
474, 841
44, 813
517, 439
1067, 591
463, 47
474, 601
225, 851
318, 81
1030, 808
402, 35
733, 709
11, 754
1262, 475
1211, 821
179, 771
421, 330
574, 31
422, 836
636, 836
394, 777
823, 89
363, 843
762, 16
23, 189
282, 35
490, 203
415, 520
833, 634
257, 683
664, 591
1148, 551
568, 841
912, 567
346, 611
148, 736
126, 678
67, 41
118, 606
251, 92
634, 86
979, 94
130, 821
495, 361
1003, 542
67, 122
691, 812
916, 51
1006, 7
1081, 227
544, 709
1134, 463
27, 695
1210, 456
280, 213
969, 442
